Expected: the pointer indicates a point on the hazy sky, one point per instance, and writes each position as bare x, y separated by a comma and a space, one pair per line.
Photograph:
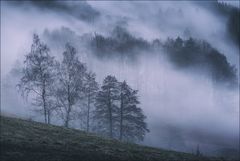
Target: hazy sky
182, 105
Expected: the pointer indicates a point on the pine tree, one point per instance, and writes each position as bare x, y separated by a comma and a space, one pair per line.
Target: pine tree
106, 106
132, 120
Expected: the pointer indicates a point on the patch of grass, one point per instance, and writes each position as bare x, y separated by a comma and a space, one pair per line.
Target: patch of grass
28, 140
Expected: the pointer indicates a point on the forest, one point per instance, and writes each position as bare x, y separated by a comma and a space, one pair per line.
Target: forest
161, 74
183, 53
69, 91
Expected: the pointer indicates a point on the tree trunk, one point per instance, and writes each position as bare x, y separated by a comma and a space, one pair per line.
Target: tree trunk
88, 106
110, 119
69, 108
110, 115
66, 124
44, 103
121, 117
49, 117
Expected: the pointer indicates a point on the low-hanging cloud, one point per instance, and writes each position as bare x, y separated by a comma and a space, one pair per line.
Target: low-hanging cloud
183, 108
80, 10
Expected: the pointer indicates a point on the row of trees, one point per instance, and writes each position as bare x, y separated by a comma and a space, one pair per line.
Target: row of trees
117, 107
67, 90
187, 53
200, 54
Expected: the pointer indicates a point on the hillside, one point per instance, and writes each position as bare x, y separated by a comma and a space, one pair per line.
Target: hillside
28, 140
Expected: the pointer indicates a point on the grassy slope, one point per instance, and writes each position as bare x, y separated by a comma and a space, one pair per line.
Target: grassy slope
25, 140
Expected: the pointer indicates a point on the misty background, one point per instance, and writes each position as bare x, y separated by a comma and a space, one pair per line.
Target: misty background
184, 106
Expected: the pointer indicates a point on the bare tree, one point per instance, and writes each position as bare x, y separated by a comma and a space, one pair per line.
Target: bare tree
69, 86
38, 77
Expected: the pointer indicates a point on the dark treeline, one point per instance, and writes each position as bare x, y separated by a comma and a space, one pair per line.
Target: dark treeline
120, 42
233, 20
231, 13
234, 25
66, 90
199, 54
185, 54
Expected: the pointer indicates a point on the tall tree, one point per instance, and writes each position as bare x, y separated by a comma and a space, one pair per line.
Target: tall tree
38, 76
69, 89
106, 105
132, 120
90, 88
198, 153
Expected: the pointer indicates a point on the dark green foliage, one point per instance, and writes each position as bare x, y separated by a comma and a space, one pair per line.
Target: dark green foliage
107, 108
221, 7
231, 13
233, 19
132, 120
25, 140
117, 113
200, 55
221, 70
185, 54
234, 25
121, 42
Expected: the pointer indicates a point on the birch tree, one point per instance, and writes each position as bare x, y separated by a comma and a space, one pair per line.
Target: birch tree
37, 77
91, 88
69, 90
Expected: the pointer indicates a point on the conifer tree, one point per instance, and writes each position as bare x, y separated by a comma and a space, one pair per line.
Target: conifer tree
132, 120
106, 106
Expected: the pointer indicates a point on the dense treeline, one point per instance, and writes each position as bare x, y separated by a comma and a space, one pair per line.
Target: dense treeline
233, 20
194, 53
231, 13
67, 90
233, 25
185, 54
120, 41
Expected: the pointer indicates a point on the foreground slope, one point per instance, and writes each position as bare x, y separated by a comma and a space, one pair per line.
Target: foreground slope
28, 140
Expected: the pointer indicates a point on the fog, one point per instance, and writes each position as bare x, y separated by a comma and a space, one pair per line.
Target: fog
184, 108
